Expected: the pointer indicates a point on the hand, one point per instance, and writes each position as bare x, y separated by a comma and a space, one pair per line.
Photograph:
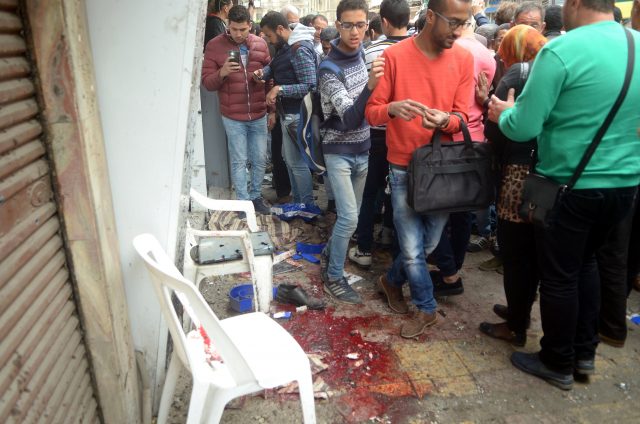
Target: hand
257, 76
272, 95
482, 88
497, 106
406, 109
271, 120
434, 118
377, 71
228, 68
477, 7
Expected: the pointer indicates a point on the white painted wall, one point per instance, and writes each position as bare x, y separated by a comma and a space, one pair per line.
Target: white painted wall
147, 55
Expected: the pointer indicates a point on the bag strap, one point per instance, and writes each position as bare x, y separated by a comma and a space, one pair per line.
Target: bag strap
607, 122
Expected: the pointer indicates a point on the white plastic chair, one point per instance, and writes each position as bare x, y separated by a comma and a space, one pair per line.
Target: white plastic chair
260, 267
257, 352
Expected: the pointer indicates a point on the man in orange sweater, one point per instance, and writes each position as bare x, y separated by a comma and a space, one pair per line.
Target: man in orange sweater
426, 79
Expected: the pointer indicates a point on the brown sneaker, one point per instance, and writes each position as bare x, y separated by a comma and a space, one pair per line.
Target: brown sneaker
395, 298
418, 323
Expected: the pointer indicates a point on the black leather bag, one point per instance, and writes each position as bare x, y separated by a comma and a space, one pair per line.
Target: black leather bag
451, 176
541, 196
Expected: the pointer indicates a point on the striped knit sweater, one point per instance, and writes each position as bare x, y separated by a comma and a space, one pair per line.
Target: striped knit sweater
344, 98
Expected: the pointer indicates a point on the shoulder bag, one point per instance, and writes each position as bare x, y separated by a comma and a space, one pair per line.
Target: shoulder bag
541, 195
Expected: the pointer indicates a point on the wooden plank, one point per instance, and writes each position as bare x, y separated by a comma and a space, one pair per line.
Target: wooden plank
22, 203
17, 135
20, 157
22, 178
38, 372
18, 112
50, 345
23, 254
49, 381
65, 404
19, 233
9, 4
47, 261
65, 416
10, 23
21, 342
12, 45
64, 382
16, 89
14, 67
14, 313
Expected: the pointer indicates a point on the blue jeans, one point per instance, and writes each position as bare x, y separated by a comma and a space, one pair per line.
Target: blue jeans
299, 173
247, 142
416, 234
347, 174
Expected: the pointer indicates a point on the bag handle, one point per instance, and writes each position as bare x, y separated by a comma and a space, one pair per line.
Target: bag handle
607, 122
437, 134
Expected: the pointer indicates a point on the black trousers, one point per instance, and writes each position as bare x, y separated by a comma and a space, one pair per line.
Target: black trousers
452, 248
280, 173
570, 284
520, 261
612, 265
633, 260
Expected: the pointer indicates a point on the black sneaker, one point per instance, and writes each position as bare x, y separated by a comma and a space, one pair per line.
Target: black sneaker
531, 364
261, 206
342, 291
478, 244
440, 288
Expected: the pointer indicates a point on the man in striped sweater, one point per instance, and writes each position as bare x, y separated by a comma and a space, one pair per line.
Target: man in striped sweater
345, 88
395, 16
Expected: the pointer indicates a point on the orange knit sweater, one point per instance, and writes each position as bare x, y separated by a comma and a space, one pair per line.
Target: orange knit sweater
443, 83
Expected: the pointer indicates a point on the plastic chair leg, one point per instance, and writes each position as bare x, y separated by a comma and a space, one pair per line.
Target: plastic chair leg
305, 386
216, 404
175, 366
198, 401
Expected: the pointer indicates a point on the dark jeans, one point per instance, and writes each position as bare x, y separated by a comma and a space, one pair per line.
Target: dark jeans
633, 260
520, 261
280, 173
451, 250
570, 286
376, 181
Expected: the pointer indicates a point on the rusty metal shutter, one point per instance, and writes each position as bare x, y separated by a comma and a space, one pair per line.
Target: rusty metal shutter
44, 371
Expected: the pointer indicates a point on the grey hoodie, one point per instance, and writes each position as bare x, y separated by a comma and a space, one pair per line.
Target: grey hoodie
301, 33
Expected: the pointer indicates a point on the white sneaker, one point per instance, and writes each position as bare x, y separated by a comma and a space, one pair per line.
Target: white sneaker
362, 259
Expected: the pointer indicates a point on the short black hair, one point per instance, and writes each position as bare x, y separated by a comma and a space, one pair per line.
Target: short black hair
307, 20
528, 6
239, 14
553, 18
397, 12
216, 5
617, 14
375, 24
346, 5
274, 19
422, 20
329, 33
440, 6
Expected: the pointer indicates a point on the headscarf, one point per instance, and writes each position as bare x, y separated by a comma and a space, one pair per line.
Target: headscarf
520, 44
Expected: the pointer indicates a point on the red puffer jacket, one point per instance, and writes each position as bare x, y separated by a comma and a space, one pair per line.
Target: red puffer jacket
241, 98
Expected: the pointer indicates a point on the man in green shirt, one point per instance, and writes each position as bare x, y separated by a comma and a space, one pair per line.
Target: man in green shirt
573, 84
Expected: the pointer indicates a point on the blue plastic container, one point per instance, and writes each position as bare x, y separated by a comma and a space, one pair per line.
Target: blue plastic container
241, 297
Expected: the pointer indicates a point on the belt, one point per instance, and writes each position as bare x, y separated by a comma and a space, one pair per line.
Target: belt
398, 167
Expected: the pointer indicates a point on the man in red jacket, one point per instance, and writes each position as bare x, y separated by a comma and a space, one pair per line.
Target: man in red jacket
229, 62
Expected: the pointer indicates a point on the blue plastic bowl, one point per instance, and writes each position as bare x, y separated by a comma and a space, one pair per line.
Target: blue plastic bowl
241, 297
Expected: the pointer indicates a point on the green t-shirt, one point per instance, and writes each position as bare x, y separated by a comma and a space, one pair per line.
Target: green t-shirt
573, 84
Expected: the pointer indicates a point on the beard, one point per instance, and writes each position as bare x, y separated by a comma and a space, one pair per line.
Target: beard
280, 43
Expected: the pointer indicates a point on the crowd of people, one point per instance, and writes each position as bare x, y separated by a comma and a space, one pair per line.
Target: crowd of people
536, 84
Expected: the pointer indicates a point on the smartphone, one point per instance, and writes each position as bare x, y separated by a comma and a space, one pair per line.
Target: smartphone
234, 56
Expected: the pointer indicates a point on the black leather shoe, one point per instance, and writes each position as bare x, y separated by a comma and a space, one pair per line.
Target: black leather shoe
585, 367
531, 364
503, 312
294, 295
501, 331
440, 288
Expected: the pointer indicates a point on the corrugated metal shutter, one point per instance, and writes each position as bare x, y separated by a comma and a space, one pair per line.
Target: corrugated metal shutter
44, 372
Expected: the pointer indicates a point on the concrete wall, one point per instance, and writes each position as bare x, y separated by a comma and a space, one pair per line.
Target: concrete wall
147, 57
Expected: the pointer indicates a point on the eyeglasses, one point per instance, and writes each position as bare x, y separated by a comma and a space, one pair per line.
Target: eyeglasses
348, 26
453, 23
